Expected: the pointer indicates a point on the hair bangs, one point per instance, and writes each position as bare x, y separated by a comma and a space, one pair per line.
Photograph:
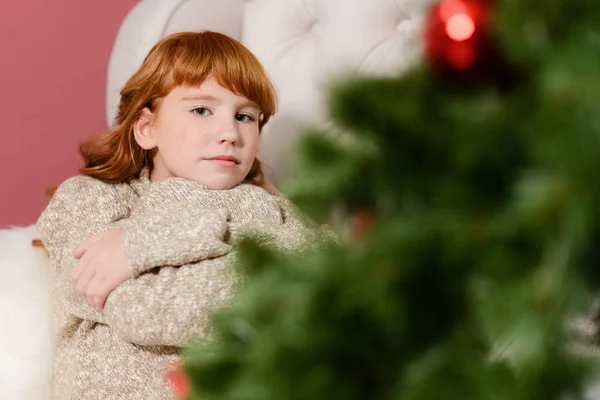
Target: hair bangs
231, 64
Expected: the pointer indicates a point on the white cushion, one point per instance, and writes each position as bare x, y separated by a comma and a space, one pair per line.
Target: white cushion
25, 317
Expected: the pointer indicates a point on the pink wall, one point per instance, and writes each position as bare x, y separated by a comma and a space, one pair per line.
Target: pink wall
53, 62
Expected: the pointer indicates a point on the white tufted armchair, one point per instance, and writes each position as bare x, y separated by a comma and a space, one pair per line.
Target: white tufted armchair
303, 44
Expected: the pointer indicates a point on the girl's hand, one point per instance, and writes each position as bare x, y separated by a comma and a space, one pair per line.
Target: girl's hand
101, 267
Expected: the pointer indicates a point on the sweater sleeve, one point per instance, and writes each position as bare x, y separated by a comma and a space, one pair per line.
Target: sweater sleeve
296, 233
170, 305
174, 234
162, 306
81, 207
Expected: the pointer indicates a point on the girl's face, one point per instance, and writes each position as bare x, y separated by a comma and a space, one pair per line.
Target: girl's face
207, 134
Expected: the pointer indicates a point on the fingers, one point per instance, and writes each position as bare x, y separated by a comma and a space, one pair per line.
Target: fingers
97, 292
93, 292
90, 300
93, 288
76, 271
94, 301
91, 285
83, 261
84, 279
101, 296
100, 268
78, 252
99, 301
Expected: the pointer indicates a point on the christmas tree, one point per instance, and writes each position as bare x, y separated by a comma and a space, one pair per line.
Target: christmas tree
473, 181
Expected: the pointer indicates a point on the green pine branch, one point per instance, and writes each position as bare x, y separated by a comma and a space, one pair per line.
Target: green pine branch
482, 250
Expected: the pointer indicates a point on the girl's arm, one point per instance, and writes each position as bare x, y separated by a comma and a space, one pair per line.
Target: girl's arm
297, 233
171, 305
83, 207
163, 306
172, 235
152, 236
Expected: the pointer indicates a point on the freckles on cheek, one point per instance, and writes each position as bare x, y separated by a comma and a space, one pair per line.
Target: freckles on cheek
189, 142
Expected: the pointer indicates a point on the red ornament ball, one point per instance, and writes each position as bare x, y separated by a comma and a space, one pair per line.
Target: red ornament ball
177, 379
458, 36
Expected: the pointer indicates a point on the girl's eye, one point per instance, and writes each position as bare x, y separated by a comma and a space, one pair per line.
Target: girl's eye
201, 111
245, 117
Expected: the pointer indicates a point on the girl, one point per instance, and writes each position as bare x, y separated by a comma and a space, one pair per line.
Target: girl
163, 197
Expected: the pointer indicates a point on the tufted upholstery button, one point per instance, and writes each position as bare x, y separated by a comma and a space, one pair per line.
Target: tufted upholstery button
402, 24
314, 27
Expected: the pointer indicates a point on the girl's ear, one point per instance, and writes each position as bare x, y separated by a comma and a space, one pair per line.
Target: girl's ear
144, 130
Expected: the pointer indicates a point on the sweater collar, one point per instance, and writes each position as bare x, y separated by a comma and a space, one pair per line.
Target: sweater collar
141, 184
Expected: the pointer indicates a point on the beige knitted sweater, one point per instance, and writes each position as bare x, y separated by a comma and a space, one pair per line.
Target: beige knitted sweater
178, 239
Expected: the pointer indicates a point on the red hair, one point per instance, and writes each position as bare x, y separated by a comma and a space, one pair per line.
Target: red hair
181, 59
